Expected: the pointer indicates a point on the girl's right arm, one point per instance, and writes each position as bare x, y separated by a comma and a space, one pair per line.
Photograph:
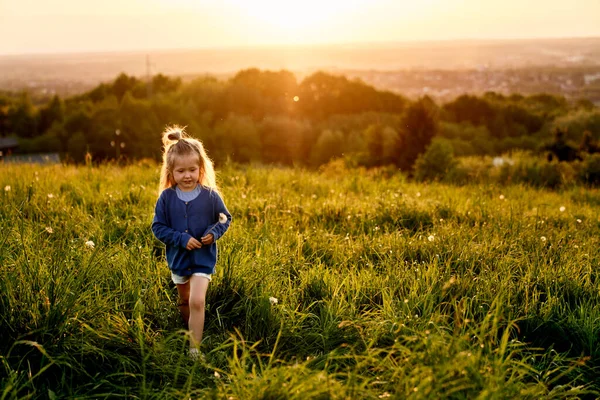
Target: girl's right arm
163, 231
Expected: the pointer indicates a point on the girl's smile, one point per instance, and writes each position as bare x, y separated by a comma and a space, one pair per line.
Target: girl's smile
186, 172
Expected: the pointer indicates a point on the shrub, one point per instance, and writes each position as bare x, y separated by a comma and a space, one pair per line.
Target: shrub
436, 161
590, 169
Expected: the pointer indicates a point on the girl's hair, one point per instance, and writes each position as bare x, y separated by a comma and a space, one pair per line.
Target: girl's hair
176, 144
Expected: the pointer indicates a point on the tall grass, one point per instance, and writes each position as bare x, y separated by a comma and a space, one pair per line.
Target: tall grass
384, 288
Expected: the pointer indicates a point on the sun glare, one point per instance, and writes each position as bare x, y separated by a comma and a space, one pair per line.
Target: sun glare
294, 16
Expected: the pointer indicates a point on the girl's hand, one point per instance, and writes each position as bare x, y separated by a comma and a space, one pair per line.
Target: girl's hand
192, 244
208, 239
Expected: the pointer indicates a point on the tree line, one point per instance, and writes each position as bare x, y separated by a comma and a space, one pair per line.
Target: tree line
270, 117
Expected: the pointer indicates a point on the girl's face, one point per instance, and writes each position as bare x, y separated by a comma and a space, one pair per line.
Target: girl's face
186, 171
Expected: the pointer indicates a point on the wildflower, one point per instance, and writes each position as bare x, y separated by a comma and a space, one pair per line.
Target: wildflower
578, 221
222, 218
314, 196
243, 196
50, 196
217, 375
418, 194
501, 197
273, 300
562, 208
7, 188
543, 238
49, 229
431, 238
89, 244
376, 228
498, 162
405, 301
384, 395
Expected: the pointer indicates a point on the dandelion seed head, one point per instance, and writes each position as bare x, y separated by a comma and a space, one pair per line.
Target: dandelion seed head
501, 197
562, 208
222, 218
431, 238
7, 188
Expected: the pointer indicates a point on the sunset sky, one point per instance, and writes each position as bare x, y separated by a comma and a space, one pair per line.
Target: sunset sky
34, 26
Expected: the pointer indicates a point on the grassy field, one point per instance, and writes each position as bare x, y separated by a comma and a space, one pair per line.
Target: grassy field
332, 284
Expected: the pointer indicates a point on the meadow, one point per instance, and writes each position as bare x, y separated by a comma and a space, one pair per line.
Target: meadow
330, 284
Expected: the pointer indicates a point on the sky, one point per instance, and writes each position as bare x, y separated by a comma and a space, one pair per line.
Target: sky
59, 26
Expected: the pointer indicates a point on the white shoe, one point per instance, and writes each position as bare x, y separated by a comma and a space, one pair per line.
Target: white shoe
195, 354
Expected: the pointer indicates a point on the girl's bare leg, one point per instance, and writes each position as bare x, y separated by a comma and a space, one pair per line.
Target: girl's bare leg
184, 301
197, 299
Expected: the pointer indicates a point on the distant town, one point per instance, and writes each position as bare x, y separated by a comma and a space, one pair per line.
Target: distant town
441, 70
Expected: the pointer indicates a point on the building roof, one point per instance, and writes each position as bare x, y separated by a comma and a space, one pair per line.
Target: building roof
8, 142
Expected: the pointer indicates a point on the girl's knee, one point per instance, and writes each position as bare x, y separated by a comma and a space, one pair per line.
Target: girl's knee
197, 304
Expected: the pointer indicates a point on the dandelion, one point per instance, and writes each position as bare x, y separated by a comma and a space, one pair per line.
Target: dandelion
273, 300
49, 229
501, 197
543, 239
431, 238
89, 244
7, 188
222, 218
562, 208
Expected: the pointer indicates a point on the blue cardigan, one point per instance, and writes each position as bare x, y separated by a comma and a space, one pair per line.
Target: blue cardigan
176, 221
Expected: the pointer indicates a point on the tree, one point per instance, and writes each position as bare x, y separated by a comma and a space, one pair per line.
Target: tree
419, 125
53, 112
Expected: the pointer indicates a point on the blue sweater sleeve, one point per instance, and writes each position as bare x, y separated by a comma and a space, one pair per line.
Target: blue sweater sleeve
222, 217
162, 230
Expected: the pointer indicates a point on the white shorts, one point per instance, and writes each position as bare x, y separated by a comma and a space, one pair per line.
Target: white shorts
180, 280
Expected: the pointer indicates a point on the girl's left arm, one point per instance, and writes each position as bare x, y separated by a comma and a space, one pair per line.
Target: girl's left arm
222, 216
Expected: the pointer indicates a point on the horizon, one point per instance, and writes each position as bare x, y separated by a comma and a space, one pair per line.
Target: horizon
71, 27
381, 44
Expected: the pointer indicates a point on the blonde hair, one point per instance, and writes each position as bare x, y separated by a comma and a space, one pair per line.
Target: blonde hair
176, 144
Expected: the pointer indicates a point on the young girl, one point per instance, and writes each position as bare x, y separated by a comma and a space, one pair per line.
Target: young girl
189, 218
